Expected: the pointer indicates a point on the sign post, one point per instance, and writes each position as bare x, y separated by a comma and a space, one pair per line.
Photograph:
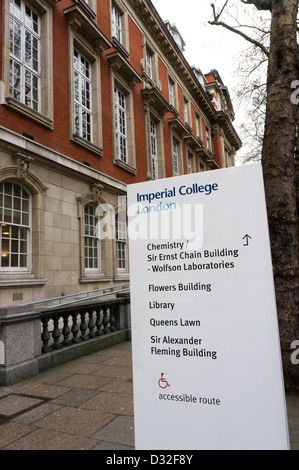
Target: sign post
206, 355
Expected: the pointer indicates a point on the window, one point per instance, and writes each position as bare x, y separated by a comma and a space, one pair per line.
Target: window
120, 125
171, 92
208, 138
85, 81
24, 70
186, 111
27, 59
189, 162
149, 63
15, 227
117, 24
201, 166
154, 152
175, 156
197, 124
92, 5
82, 97
121, 241
91, 239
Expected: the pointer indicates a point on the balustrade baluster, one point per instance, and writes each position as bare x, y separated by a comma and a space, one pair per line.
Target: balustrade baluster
112, 318
94, 321
45, 336
66, 330
106, 320
99, 322
75, 328
83, 326
91, 324
56, 334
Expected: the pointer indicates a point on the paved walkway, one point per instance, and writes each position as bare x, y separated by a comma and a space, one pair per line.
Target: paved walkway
86, 404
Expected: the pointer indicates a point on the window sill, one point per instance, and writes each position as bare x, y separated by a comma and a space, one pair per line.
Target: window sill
94, 278
22, 282
125, 166
87, 145
29, 112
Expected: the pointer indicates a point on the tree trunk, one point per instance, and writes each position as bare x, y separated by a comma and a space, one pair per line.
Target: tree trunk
278, 160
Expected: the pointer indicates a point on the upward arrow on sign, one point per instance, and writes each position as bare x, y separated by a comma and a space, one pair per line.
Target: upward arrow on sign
246, 238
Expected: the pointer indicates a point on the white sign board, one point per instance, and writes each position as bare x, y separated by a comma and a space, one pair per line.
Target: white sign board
206, 355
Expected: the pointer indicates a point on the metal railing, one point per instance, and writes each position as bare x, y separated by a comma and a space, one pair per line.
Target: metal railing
87, 297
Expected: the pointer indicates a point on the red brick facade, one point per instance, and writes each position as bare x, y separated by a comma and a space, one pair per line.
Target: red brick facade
194, 112
58, 138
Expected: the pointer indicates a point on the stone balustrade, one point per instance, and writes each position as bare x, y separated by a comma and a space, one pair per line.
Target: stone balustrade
33, 341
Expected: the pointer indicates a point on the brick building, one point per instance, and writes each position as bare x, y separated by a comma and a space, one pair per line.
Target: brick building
95, 95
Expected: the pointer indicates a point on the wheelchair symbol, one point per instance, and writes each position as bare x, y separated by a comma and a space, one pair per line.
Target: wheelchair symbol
163, 382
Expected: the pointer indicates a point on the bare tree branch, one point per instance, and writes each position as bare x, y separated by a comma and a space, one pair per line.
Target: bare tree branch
253, 41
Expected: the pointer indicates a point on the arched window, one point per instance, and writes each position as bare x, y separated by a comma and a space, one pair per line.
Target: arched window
91, 239
15, 220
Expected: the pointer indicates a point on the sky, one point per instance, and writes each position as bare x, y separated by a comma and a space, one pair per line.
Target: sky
208, 47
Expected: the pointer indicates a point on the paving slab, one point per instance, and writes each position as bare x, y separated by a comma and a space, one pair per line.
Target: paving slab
91, 382
44, 391
45, 439
76, 421
12, 432
119, 385
12, 404
109, 402
119, 432
75, 397
115, 371
79, 367
118, 361
37, 413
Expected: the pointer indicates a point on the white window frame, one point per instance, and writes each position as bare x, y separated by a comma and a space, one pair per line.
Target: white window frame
121, 125
171, 92
121, 242
11, 231
92, 245
201, 165
190, 159
197, 125
154, 150
45, 113
186, 110
149, 63
208, 137
175, 156
83, 101
117, 24
19, 57
78, 43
